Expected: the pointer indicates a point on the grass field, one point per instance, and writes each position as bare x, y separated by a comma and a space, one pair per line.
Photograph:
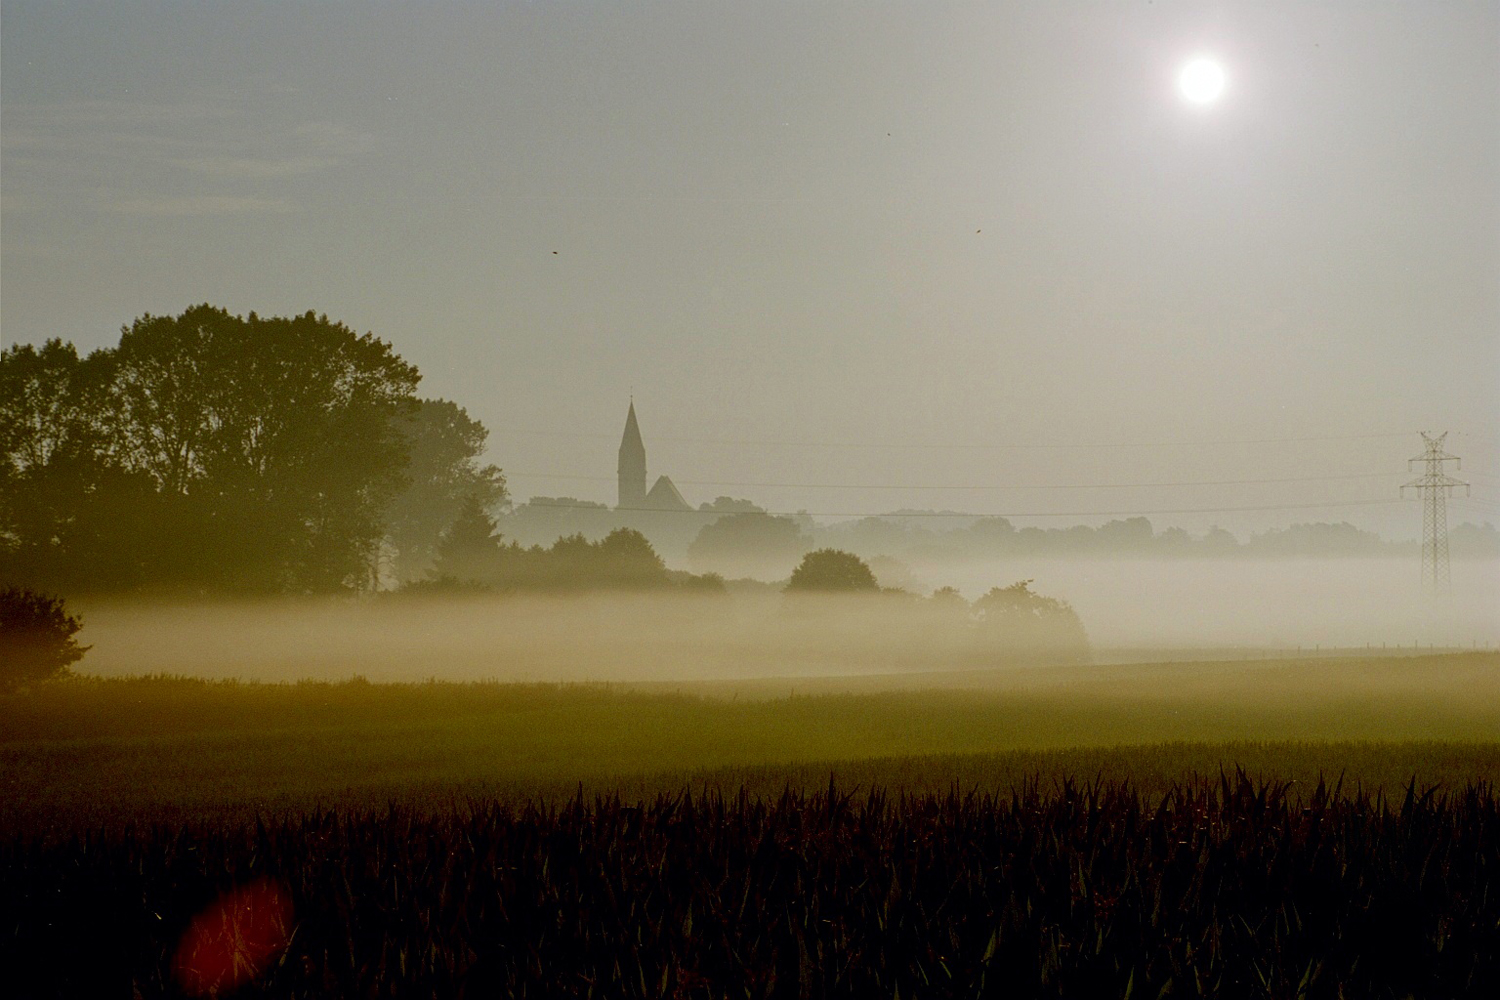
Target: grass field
91, 750
1322, 827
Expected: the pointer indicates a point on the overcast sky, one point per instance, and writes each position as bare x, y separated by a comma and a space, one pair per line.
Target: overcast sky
825, 245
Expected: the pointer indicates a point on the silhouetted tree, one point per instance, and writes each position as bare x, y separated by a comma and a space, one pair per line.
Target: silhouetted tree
751, 544
207, 450
1134, 534
1342, 539
730, 505
279, 433
627, 560
71, 516
470, 549
832, 571
949, 601
471, 553
705, 583
1216, 541
622, 560
443, 445
1023, 621
36, 638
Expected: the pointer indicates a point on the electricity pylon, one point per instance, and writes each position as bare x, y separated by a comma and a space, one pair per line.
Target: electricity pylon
1434, 488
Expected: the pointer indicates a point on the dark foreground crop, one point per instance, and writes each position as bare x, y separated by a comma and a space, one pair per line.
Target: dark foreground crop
1221, 889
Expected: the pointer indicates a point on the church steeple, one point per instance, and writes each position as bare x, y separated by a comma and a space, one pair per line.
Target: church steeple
632, 469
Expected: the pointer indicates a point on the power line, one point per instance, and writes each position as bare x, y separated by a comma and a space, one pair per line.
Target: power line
1044, 486
931, 445
1006, 514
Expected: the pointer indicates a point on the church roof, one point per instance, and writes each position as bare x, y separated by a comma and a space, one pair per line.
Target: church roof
664, 496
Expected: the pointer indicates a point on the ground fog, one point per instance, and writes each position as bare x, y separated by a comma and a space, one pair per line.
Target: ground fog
1130, 609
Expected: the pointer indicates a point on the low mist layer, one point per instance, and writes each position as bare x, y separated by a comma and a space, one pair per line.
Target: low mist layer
682, 637
594, 637
1253, 603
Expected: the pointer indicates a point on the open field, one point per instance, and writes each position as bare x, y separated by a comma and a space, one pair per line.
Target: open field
1265, 828
95, 749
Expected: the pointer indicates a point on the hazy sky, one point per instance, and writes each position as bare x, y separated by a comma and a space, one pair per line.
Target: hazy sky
823, 244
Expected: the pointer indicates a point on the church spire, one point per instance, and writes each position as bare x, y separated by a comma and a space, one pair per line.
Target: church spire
632, 468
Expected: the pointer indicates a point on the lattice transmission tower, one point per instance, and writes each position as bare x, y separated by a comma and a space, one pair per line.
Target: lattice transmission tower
1434, 488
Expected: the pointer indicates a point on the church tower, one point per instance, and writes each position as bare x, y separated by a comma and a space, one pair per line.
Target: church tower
632, 467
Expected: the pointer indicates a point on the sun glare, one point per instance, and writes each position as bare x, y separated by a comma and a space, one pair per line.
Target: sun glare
1201, 81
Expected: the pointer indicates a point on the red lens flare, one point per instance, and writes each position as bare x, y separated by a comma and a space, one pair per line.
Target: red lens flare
234, 939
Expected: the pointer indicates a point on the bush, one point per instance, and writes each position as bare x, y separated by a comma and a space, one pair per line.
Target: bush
832, 571
36, 638
1029, 622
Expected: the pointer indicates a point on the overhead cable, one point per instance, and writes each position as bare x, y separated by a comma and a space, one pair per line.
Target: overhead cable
1005, 514
1009, 486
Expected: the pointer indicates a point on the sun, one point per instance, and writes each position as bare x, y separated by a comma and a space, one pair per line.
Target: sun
1201, 81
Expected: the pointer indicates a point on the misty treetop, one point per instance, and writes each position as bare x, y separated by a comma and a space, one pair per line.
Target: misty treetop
1004, 623
830, 571
444, 479
1029, 621
472, 555
753, 544
209, 452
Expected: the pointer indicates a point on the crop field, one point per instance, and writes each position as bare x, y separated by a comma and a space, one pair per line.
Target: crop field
1226, 888
96, 751
1320, 827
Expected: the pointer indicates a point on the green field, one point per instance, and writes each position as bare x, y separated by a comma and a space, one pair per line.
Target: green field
91, 751
1064, 831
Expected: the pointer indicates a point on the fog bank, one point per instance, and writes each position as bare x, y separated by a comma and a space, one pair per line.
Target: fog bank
1239, 609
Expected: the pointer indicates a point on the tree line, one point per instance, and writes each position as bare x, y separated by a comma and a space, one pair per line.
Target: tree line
472, 555
212, 453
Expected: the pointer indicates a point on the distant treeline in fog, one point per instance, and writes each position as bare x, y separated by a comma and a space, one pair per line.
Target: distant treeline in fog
209, 453
752, 542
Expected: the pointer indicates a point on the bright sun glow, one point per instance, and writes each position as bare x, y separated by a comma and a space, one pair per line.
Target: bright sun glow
1201, 81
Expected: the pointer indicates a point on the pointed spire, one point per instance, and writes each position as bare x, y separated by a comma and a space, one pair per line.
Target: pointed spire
632, 438
632, 467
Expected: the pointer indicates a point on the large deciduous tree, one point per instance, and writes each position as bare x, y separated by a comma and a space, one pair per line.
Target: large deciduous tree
274, 434
263, 450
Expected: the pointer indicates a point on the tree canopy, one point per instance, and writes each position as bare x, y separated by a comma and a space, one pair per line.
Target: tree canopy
469, 549
832, 571
1031, 623
206, 452
472, 554
749, 544
443, 478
